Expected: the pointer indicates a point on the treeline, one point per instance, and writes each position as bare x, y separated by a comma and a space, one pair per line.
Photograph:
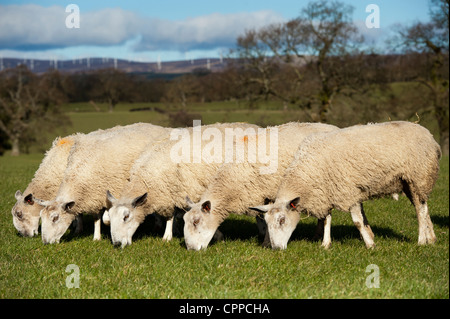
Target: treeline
237, 82
314, 63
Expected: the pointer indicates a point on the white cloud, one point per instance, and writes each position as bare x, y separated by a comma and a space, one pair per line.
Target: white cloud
33, 27
204, 32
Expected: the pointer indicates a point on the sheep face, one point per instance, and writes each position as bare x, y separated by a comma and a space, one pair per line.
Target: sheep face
26, 215
123, 218
123, 225
282, 218
199, 225
56, 219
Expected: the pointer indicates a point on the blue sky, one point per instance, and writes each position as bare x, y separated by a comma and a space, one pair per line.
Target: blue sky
166, 30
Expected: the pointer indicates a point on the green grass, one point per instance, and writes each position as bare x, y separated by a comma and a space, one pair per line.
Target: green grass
235, 268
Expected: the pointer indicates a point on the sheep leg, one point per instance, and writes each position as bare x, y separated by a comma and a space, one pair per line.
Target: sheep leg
360, 221
168, 232
78, 224
262, 230
319, 229
326, 242
366, 223
218, 236
97, 226
426, 232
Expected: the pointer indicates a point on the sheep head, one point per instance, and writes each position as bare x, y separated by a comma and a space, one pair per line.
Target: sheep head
200, 224
26, 214
56, 217
282, 218
124, 218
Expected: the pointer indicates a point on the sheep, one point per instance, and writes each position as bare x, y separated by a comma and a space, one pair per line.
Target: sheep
159, 181
95, 163
237, 186
344, 168
44, 185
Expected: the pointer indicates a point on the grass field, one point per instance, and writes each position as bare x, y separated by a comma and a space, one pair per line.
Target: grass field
235, 268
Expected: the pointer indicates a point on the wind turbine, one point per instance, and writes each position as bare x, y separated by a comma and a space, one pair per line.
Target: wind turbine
159, 63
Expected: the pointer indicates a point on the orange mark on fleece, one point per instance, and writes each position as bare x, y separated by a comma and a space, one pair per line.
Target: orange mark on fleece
63, 141
245, 138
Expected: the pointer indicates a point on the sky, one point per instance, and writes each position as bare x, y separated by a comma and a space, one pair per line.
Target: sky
167, 30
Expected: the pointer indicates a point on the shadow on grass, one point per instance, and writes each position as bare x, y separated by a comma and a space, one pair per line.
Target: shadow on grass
146, 229
244, 230
441, 221
341, 233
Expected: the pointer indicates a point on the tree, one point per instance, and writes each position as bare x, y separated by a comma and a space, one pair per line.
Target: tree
323, 36
112, 86
29, 105
432, 39
325, 30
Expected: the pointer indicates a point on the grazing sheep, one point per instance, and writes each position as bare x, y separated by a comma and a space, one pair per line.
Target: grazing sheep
44, 185
237, 186
344, 168
95, 163
160, 181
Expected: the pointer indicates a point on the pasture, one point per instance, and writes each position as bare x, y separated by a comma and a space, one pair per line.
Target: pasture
237, 267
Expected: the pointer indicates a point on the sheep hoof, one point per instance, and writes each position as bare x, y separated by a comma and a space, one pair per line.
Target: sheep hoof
265, 244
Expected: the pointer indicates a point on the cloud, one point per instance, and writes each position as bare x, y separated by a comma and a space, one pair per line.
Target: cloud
33, 27
204, 32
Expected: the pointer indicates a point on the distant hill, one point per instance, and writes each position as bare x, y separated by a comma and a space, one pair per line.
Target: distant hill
89, 64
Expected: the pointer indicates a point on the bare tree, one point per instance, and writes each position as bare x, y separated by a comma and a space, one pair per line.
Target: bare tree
323, 36
325, 30
29, 106
432, 39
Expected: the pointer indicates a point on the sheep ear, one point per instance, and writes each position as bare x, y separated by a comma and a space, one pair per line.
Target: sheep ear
261, 209
139, 201
189, 202
293, 203
188, 206
110, 199
18, 195
68, 206
29, 199
206, 206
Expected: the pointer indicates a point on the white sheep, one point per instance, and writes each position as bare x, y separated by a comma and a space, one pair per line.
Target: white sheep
237, 186
44, 185
344, 168
95, 164
161, 179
